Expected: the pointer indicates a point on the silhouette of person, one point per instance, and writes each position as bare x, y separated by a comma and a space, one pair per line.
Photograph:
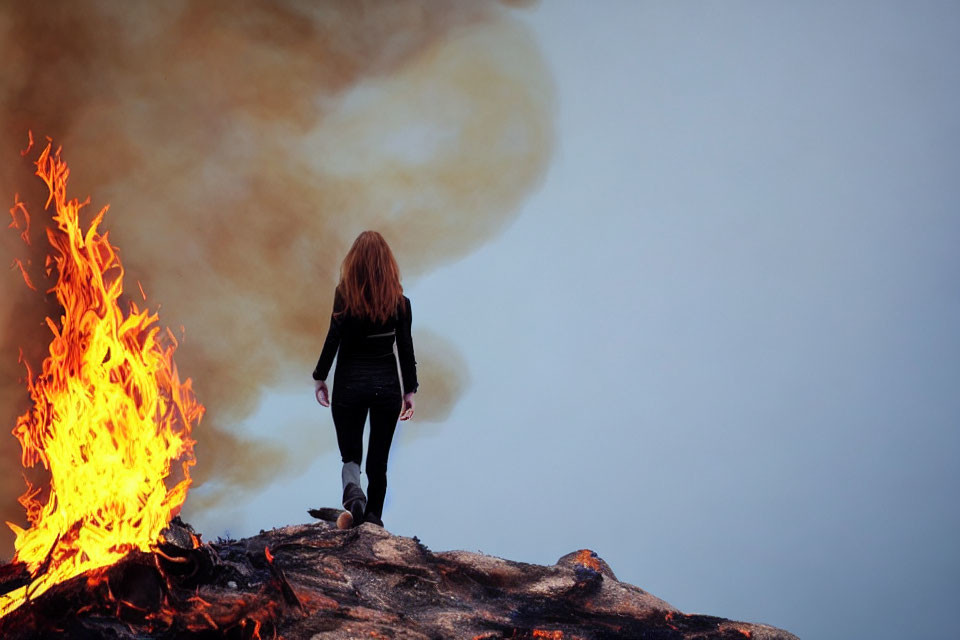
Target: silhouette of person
370, 315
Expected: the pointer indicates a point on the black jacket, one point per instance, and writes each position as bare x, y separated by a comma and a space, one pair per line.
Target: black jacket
363, 337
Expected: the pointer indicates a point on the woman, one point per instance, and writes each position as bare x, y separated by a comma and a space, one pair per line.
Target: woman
370, 314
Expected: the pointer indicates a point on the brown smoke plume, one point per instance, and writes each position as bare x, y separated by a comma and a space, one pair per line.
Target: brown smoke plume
242, 147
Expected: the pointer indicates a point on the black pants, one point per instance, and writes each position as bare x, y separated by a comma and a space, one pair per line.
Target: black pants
362, 385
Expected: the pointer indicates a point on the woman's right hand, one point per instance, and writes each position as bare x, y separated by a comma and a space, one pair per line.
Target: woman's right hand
322, 393
407, 412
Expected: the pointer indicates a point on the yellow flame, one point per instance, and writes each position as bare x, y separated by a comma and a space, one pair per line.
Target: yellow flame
110, 417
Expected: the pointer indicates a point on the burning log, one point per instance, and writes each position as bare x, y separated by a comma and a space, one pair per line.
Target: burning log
303, 580
183, 588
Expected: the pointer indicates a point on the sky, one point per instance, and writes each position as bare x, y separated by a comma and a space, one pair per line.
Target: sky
717, 342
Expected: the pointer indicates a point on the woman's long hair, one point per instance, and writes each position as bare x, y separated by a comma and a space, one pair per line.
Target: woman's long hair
370, 279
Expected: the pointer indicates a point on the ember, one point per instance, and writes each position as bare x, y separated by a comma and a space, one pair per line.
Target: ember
111, 419
588, 558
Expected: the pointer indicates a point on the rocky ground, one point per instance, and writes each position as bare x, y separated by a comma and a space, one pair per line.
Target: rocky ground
317, 581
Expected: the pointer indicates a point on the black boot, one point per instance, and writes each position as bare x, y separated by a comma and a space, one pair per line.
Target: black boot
370, 516
355, 502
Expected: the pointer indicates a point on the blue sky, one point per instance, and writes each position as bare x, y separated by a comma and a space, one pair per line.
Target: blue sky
718, 343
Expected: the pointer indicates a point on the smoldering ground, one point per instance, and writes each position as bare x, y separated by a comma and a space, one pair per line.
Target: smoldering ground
242, 147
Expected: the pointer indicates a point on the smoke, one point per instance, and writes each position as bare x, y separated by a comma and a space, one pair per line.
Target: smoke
242, 147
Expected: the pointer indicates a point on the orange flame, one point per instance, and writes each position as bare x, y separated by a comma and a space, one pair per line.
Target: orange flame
110, 417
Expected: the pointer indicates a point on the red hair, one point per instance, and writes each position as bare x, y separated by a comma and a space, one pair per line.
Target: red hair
370, 279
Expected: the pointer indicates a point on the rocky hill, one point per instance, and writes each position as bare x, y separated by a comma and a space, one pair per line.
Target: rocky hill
316, 581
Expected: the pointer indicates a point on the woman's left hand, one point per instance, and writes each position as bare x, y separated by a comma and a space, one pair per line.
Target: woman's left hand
322, 393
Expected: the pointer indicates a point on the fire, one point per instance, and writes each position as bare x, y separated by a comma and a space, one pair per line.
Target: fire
111, 418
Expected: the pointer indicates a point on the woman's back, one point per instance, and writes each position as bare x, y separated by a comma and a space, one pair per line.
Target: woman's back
360, 337
364, 335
